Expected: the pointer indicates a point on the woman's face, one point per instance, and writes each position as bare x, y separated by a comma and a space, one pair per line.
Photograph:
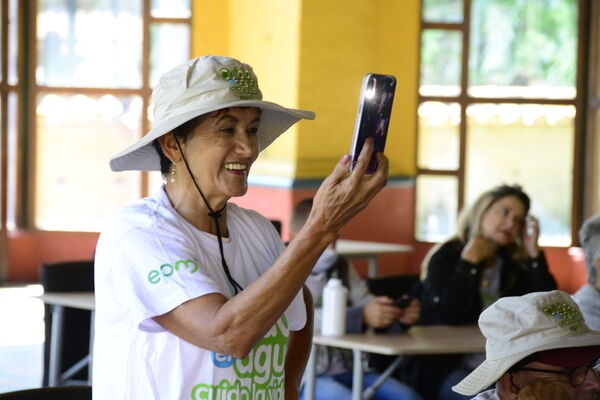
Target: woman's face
221, 151
503, 221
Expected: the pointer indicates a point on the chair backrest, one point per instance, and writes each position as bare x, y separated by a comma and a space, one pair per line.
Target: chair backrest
68, 276
51, 393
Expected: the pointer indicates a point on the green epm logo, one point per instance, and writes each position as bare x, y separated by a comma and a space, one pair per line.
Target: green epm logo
166, 270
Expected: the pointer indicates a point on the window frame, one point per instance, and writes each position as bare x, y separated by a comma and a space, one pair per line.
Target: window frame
592, 155
581, 121
6, 90
26, 170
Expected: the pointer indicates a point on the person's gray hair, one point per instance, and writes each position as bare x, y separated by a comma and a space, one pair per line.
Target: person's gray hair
589, 237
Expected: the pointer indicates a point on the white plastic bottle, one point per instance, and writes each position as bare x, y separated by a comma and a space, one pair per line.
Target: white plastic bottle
333, 322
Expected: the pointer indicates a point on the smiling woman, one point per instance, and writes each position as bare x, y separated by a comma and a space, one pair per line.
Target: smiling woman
223, 145
196, 290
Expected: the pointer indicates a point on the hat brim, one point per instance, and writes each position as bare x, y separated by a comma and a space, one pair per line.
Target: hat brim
490, 371
274, 120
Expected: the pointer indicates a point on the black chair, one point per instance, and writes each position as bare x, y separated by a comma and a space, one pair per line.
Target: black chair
51, 393
71, 276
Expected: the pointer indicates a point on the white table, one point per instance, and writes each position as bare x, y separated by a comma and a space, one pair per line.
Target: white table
369, 250
58, 301
435, 339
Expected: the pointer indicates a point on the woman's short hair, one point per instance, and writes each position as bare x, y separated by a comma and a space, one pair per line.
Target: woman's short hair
183, 132
589, 237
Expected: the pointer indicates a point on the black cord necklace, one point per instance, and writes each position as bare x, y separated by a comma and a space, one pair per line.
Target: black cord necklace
215, 215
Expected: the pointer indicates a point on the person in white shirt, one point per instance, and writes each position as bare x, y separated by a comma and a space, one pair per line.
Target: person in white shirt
588, 297
538, 347
195, 297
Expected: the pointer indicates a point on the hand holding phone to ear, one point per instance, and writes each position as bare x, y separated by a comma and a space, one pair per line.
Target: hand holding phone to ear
531, 233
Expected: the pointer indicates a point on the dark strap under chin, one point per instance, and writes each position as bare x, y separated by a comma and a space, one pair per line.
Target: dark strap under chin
215, 215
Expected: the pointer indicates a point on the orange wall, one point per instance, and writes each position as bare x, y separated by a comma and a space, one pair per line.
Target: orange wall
568, 267
390, 218
30, 249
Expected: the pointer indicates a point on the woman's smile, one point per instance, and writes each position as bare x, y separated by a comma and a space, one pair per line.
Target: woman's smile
237, 168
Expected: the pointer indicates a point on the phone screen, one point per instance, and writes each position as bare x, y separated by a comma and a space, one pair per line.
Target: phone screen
373, 117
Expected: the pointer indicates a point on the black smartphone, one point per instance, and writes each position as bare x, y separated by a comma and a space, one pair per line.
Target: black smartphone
403, 301
402, 288
373, 117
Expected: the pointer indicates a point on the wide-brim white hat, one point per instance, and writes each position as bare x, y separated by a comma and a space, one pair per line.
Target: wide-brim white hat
200, 86
516, 327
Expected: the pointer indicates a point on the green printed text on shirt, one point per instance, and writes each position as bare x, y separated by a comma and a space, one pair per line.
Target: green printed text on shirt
166, 270
260, 375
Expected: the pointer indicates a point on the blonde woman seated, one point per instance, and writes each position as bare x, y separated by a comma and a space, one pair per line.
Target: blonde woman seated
494, 253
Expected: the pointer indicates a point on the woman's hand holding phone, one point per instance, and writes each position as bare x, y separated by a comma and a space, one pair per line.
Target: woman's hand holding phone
411, 313
342, 195
531, 233
380, 313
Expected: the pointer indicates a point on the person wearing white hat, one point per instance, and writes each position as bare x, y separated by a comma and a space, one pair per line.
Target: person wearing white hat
538, 347
197, 297
588, 296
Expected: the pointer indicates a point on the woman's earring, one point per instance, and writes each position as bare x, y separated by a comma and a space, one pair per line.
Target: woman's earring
172, 173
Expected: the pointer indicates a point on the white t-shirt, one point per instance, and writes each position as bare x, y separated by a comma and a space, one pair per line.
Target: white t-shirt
149, 260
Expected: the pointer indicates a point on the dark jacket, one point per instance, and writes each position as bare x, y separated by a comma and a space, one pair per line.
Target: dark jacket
450, 293
450, 296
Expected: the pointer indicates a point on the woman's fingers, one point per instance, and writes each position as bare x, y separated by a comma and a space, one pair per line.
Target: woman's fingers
411, 313
391, 311
363, 161
381, 313
343, 195
379, 178
341, 169
367, 186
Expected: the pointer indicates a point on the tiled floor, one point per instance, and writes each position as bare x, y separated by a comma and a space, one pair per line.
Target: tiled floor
21, 337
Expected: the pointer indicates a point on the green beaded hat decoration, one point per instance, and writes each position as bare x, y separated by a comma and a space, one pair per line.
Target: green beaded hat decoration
566, 315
